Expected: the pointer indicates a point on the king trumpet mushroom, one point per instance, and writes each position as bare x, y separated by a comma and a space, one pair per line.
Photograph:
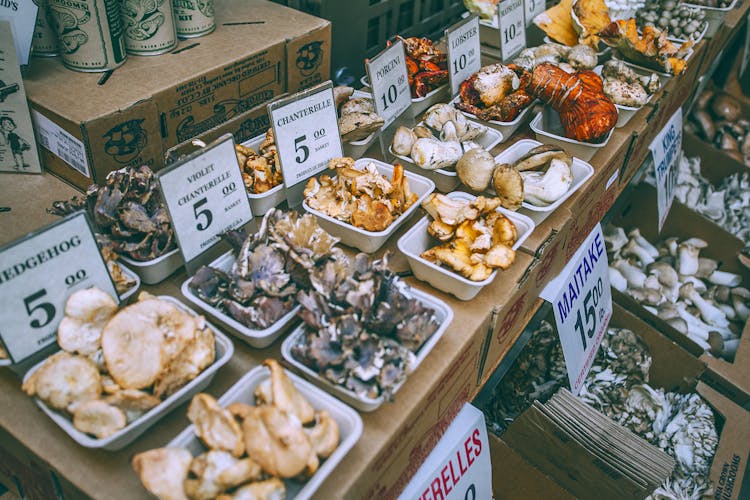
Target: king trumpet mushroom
709, 312
687, 256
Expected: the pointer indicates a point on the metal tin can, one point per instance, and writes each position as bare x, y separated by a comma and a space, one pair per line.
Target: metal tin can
44, 43
149, 26
194, 18
89, 33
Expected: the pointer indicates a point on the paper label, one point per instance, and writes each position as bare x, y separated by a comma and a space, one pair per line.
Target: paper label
306, 129
464, 51
60, 143
512, 28
390, 82
746, 53
37, 274
22, 16
205, 196
533, 8
18, 150
459, 467
582, 302
665, 150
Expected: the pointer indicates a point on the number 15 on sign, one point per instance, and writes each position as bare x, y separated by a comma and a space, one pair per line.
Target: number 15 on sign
582, 302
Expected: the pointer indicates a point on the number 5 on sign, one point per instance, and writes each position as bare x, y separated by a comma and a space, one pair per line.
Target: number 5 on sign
37, 275
582, 303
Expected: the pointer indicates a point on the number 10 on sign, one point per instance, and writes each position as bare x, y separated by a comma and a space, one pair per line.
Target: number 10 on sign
511, 20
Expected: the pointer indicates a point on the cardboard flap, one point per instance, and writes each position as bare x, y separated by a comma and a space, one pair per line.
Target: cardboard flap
543, 444
730, 463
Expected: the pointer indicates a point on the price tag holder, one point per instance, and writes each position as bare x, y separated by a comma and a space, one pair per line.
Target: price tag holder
746, 53
665, 150
459, 467
37, 274
533, 8
390, 82
582, 301
512, 23
205, 197
464, 51
306, 129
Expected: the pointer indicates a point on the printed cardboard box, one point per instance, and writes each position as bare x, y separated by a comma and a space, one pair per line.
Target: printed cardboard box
91, 124
732, 378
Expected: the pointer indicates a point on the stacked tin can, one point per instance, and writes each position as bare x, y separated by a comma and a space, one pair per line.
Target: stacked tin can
44, 43
89, 33
194, 18
149, 26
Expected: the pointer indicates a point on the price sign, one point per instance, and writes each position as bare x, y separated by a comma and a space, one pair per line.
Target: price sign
512, 28
665, 149
205, 196
582, 301
306, 129
390, 82
37, 275
533, 8
746, 53
459, 466
464, 51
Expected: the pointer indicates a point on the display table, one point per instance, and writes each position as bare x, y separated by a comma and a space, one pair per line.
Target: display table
399, 435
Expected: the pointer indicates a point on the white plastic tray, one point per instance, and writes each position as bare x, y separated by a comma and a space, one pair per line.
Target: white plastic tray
348, 420
506, 129
443, 315
714, 15
256, 338
129, 273
548, 134
370, 241
263, 202
582, 171
155, 270
419, 104
446, 180
355, 149
625, 113
417, 240
126, 435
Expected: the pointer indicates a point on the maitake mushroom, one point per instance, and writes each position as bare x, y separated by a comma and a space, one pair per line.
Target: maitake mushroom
475, 238
249, 449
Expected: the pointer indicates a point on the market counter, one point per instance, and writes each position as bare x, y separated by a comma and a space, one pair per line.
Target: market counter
396, 437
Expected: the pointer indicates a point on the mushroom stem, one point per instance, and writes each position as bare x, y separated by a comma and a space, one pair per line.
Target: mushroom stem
709, 312
632, 248
723, 348
617, 280
635, 234
614, 238
687, 258
725, 278
633, 275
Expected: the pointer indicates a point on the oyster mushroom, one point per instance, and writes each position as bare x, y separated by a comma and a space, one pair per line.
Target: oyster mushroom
509, 186
475, 169
544, 188
162, 471
324, 435
285, 395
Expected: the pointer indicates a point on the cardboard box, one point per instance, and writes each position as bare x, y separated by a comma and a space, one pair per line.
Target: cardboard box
243, 127
731, 378
673, 369
93, 124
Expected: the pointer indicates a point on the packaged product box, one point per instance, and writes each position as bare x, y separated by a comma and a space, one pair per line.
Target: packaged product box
673, 369
731, 378
90, 124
